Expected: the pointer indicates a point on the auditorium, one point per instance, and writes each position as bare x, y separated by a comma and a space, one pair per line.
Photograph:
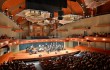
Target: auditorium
54, 34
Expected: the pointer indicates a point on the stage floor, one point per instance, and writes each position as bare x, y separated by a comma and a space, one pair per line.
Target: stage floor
22, 55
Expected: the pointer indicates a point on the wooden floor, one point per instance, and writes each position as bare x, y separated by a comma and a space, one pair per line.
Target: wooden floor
6, 57
23, 55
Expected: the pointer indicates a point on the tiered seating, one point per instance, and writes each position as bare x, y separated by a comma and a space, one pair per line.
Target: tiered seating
17, 65
81, 61
101, 34
6, 37
40, 37
77, 36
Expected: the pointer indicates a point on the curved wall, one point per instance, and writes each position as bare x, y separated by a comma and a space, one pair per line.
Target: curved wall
12, 3
6, 21
90, 22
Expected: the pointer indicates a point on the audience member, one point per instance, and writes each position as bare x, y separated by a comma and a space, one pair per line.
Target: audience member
17, 65
77, 61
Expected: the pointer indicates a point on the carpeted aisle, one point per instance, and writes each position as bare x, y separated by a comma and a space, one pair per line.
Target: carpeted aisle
37, 65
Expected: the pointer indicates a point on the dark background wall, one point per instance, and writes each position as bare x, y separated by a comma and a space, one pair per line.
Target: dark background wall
24, 46
46, 5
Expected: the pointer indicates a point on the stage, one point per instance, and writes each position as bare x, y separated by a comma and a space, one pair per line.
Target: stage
22, 55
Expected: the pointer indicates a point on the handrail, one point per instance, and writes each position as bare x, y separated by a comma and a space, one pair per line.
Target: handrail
85, 39
92, 49
97, 39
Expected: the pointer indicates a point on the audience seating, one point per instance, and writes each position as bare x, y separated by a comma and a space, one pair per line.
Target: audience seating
77, 61
6, 37
77, 36
17, 65
100, 34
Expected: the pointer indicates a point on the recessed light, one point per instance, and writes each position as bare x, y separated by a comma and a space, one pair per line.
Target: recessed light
103, 39
94, 38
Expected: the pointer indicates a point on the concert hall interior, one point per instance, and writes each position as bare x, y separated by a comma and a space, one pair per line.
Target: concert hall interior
54, 34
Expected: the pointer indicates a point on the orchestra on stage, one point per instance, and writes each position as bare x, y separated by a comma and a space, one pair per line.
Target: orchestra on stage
47, 48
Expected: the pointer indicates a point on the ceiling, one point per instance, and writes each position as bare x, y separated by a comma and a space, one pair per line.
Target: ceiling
67, 6
78, 7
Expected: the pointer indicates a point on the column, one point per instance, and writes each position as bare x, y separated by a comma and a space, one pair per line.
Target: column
1, 51
66, 44
31, 28
14, 48
70, 44
78, 43
88, 44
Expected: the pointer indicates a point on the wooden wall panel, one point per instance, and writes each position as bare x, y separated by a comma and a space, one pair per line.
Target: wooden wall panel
11, 3
17, 10
104, 9
20, 19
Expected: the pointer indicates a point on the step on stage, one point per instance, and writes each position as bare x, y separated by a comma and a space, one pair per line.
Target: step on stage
22, 55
